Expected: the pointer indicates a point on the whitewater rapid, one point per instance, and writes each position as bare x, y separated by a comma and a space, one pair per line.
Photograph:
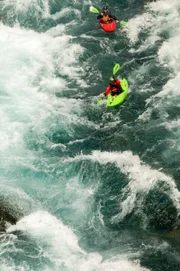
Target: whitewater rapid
88, 188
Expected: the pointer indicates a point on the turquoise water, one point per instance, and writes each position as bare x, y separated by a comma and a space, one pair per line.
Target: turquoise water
85, 187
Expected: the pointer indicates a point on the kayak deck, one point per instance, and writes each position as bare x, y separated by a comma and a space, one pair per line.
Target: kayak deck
109, 26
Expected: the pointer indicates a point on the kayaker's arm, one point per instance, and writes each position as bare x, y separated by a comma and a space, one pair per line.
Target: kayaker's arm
113, 17
106, 92
100, 16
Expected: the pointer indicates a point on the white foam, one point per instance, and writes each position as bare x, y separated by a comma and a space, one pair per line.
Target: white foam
171, 89
137, 24
173, 124
159, 18
28, 86
60, 245
169, 53
141, 180
41, 9
20, 6
164, 6
65, 12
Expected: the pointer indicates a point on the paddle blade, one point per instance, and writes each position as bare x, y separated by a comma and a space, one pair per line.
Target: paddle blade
123, 23
116, 68
94, 10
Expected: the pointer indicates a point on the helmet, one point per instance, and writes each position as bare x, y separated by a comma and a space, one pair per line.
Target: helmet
104, 8
112, 79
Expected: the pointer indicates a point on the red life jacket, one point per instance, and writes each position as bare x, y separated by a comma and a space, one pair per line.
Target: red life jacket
114, 88
105, 18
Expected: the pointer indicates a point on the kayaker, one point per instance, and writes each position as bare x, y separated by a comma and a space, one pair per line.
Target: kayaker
114, 88
105, 16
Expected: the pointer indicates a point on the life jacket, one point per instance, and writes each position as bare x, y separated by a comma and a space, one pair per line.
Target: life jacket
105, 18
115, 88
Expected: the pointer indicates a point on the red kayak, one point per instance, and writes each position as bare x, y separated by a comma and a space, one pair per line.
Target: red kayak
109, 26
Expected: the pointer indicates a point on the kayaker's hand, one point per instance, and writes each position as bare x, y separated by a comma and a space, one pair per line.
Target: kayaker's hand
117, 21
101, 14
102, 95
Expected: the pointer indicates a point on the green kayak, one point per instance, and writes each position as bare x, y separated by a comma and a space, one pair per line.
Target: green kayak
118, 99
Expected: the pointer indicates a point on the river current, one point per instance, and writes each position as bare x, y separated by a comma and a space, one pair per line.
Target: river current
84, 187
